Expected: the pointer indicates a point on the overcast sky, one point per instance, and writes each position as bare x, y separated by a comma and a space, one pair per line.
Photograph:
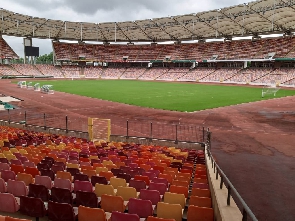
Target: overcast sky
99, 11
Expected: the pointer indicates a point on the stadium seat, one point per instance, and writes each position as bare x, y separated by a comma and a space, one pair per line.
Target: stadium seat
124, 176
195, 213
152, 195
143, 208
169, 211
126, 192
81, 177
9, 218
17, 188
64, 175
7, 175
116, 182
179, 189
144, 178
137, 184
33, 207
200, 201
61, 211
63, 183
112, 203
200, 192
83, 186
101, 189
38, 191
93, 214
161, 180
72, 171
48, 173
4, 166
152, 218
98, 179
8, 203
61, 195
3, 187
32, 170
161, 187
27, 178
88, 199
44, 180
175, 198
120, 216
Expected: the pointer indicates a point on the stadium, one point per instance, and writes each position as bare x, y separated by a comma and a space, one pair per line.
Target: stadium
212, 112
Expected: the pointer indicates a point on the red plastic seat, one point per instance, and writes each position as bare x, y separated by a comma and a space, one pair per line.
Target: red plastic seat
8, 203
56, 167
143, 178
98, 179
124, 176
112, 203
161, 187
152, 195
179, 189
38, 191
83, 186
9, 218
63, 183
81, 177
153, 218
44, 180
88, 199
60, 211
120, 216
31, 206
7, 175
93, 214
17, 168
32, 170
3, 187
17, 188
48, 173
61, 195
143, 208
4, 166
161, 180
195, 213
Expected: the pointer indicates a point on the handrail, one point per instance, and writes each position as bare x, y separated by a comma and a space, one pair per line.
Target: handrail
231, 189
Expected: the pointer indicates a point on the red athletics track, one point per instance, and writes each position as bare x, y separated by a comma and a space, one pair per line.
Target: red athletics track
253, 143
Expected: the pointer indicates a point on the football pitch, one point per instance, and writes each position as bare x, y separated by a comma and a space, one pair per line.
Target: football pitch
175, 96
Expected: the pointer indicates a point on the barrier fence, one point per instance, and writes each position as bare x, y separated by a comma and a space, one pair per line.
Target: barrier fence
159, 130
177, 132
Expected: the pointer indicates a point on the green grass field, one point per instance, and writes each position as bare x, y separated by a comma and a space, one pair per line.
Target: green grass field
163, 95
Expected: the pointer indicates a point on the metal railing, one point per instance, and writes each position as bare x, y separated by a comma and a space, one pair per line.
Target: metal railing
141, 128
150, 130
231, 190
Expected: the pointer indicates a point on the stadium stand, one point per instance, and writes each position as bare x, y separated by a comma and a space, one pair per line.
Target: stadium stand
48, 154
133, 73
6, 51
112, 73
26, 69
92, 72
71, 71
50, 70
7, 70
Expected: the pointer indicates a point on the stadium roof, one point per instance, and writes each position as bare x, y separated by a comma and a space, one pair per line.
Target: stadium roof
249, 19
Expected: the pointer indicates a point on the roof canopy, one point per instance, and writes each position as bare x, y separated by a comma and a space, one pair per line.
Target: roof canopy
250, 19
